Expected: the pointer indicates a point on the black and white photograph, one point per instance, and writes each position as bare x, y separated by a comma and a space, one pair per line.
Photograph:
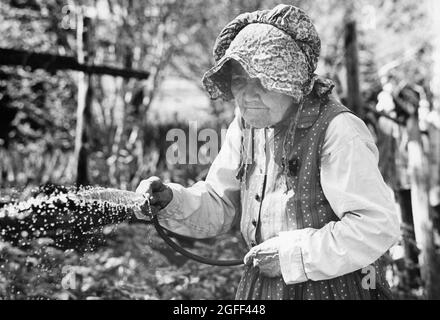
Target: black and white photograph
227, 150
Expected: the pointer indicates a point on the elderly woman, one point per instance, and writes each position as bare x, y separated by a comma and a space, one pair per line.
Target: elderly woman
297, 168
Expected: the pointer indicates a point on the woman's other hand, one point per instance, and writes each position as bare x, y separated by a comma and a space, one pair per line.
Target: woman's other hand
265, 256
158, 193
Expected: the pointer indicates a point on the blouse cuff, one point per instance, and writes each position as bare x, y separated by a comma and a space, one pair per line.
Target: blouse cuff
291, 257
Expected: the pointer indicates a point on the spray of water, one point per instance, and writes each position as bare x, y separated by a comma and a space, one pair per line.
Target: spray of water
67, 214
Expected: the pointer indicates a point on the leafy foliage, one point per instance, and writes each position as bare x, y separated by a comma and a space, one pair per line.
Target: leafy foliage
133, 264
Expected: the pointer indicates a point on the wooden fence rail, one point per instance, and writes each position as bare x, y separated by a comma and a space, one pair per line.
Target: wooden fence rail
52, 62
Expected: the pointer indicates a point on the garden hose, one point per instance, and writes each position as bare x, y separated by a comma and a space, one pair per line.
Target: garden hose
161, 231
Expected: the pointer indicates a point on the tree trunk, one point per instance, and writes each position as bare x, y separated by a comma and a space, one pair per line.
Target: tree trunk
84, 102
121, 104
354, 100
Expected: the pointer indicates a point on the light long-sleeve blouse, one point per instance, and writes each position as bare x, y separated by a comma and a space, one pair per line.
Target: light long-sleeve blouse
368, 222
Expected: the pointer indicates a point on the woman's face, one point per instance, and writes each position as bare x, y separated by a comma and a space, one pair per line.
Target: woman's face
259, 107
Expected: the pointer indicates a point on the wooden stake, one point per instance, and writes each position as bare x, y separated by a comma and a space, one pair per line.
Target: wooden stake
423, 225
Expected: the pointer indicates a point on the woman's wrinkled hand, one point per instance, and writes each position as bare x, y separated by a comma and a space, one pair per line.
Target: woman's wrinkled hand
158, 194
265, 256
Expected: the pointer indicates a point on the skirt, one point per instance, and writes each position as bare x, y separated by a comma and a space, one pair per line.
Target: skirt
254, 286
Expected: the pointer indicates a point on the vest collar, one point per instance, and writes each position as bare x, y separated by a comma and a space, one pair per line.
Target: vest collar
309, 115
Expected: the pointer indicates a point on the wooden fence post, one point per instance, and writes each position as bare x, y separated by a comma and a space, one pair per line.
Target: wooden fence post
423, 225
